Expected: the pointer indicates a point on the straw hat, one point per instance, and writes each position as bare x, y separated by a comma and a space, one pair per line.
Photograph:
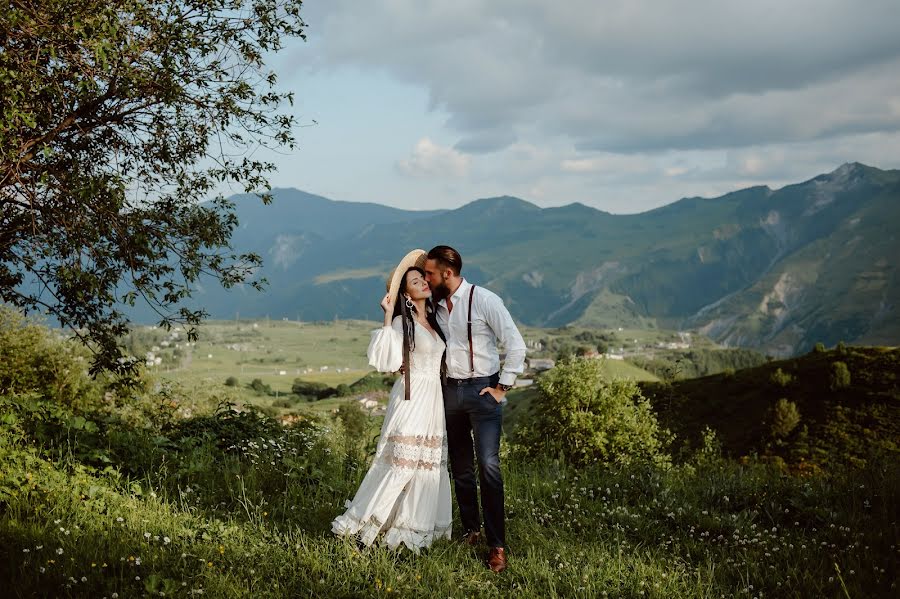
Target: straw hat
414, 258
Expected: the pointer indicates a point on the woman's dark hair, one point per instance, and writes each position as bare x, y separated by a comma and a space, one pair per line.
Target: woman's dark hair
409, 312
447, 257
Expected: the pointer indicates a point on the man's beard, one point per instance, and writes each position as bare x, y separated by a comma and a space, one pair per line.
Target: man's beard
439, 291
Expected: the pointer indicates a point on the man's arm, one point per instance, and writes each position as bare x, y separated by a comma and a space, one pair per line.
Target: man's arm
498, 318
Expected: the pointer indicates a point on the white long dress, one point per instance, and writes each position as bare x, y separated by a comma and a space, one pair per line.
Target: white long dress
406, 493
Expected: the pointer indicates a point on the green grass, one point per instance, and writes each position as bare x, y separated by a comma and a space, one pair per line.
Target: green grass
231, 525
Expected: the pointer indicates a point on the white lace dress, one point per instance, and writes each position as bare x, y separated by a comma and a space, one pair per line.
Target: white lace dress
406, 493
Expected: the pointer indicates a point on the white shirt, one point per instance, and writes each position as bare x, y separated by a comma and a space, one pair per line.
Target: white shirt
491, 323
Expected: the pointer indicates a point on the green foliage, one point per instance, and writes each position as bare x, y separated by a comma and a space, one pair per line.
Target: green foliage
850, 425
373, 381
710, 449
231, 381
781, 378
697, 362
587, 419
117, 117
311, 390
840, 376
785, 418
354, 419
33, 361
819, 348
260, 387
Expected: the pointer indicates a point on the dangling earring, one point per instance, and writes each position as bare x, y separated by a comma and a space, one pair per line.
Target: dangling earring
409, 303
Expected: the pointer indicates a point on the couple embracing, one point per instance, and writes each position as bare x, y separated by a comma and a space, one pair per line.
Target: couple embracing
443, 333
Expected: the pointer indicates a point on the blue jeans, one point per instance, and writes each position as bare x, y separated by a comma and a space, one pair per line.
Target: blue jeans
473, 417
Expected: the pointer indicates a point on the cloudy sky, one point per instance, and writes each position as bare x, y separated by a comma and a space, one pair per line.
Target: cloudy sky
623, 105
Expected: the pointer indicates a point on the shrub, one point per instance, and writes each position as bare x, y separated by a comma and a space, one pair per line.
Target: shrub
231, 381
841, 347
781, 378
373, 381
32, 360
585, 418
354, 418
840, 376
260, 387
785, 418
710, 450
819, 348
311, 391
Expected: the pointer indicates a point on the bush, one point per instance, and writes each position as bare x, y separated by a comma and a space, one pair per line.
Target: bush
373, 381
585, 418
781, 378
32, 360
785, 418
231, 381
819, 348
312, 391
840, 376
354, 418
260, 387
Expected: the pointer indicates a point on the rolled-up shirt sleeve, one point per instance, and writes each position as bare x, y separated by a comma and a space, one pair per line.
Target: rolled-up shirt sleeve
500, 321
385, 351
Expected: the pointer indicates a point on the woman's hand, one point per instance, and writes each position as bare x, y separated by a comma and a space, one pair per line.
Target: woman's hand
387, 304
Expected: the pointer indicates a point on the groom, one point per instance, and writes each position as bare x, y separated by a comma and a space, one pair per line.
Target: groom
474, 320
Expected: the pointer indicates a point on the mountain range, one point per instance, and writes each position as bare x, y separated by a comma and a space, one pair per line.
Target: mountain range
774, 269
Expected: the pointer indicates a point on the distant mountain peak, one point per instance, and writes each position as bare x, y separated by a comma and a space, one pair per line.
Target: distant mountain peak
499, 205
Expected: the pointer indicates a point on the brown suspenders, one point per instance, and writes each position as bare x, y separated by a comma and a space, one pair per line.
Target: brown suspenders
471, 351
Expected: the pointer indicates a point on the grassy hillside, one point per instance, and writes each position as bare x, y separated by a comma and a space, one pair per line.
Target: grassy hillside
845, 421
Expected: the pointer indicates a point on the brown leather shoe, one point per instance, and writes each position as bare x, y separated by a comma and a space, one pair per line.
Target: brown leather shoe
472, 538
497, 559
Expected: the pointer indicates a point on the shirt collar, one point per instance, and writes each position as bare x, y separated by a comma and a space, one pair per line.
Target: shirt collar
463, 287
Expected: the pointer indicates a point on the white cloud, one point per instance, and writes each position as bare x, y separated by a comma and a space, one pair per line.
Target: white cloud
429, 159
623, 104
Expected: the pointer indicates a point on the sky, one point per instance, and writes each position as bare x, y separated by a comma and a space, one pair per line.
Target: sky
622, 105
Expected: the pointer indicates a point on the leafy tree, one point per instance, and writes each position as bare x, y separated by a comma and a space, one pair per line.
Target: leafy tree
840, 376
118, 118
781, 378
586, 418
785, 418
312, 390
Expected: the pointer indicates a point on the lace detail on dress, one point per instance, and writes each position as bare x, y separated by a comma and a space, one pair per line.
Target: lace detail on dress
420, 452
435, 441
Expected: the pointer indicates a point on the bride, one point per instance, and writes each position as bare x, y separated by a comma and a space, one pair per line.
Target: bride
405, 495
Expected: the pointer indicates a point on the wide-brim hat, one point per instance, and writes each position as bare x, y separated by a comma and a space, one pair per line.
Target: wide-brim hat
414, 258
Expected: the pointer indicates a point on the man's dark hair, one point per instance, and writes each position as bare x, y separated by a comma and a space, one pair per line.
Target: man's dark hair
447, 257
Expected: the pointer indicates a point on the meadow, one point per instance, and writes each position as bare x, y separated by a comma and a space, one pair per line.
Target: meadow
176, 489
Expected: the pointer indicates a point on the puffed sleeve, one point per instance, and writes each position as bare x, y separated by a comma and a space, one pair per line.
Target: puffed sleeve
386, 347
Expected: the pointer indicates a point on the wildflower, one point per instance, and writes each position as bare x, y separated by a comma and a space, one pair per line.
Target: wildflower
167, 540
147, 535
84, 579
59, 551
